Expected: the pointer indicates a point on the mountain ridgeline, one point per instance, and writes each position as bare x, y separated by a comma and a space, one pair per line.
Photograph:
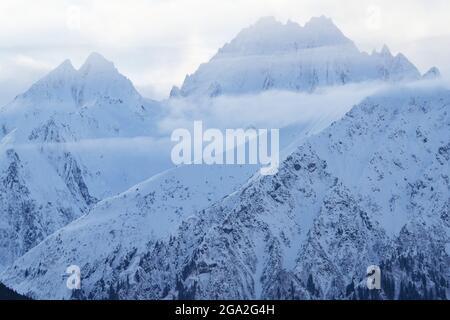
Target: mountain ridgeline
60, 150
270, 55
371, 189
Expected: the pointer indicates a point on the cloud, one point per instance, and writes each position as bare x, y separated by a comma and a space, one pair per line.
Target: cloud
31, 63
156, 43
270, 109
135, 145
17, 73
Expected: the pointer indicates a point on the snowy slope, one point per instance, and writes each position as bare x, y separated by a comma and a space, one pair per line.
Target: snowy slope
373, 188
77, 137
130, 223
91, 135
47, 176
271, 55
84, 110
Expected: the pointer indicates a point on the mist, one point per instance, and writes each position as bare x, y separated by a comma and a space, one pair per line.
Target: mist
270, 109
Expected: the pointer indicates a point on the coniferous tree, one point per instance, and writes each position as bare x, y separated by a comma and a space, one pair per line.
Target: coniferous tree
8, 294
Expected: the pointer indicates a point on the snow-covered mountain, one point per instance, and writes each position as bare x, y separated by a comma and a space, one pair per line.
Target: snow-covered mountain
433, 73
373, 188
54, 157
74, 138
148, 212
271, 55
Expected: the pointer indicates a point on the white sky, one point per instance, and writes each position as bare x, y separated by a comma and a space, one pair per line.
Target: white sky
157, 42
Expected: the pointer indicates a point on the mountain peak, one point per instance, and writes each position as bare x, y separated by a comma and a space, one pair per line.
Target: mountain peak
66, 65
321, 24
96, 57
62, 70
97, 62
263, 27
268, 20
325, 32
96, 78
302, 58
433, 73
269, 36
56, 81
385, 51
320, 21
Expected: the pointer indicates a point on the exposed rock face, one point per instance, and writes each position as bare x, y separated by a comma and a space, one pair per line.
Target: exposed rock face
373, 188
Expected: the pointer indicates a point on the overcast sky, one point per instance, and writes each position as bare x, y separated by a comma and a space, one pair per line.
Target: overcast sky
157, 42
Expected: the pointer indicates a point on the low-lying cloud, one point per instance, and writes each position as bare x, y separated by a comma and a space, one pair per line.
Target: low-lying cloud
270, 109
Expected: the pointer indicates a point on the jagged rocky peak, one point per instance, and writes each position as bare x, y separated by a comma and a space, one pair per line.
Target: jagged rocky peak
99, 78
400, 59
56, 85
95, 62
433, 73
321, 23
268, 35
271, 55
325, 31
96, 78
385, 51
64, 68
175, 92
322, 28
64, 71
268, 21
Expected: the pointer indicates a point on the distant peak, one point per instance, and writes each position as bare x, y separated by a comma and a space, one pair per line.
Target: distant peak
65, 67
98, 62
385, 51
62, 71
325, 31
97, 77
55, 81
321, 22
66, 64
433, 73
269, 20
320, 19
96, 57
434, 70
